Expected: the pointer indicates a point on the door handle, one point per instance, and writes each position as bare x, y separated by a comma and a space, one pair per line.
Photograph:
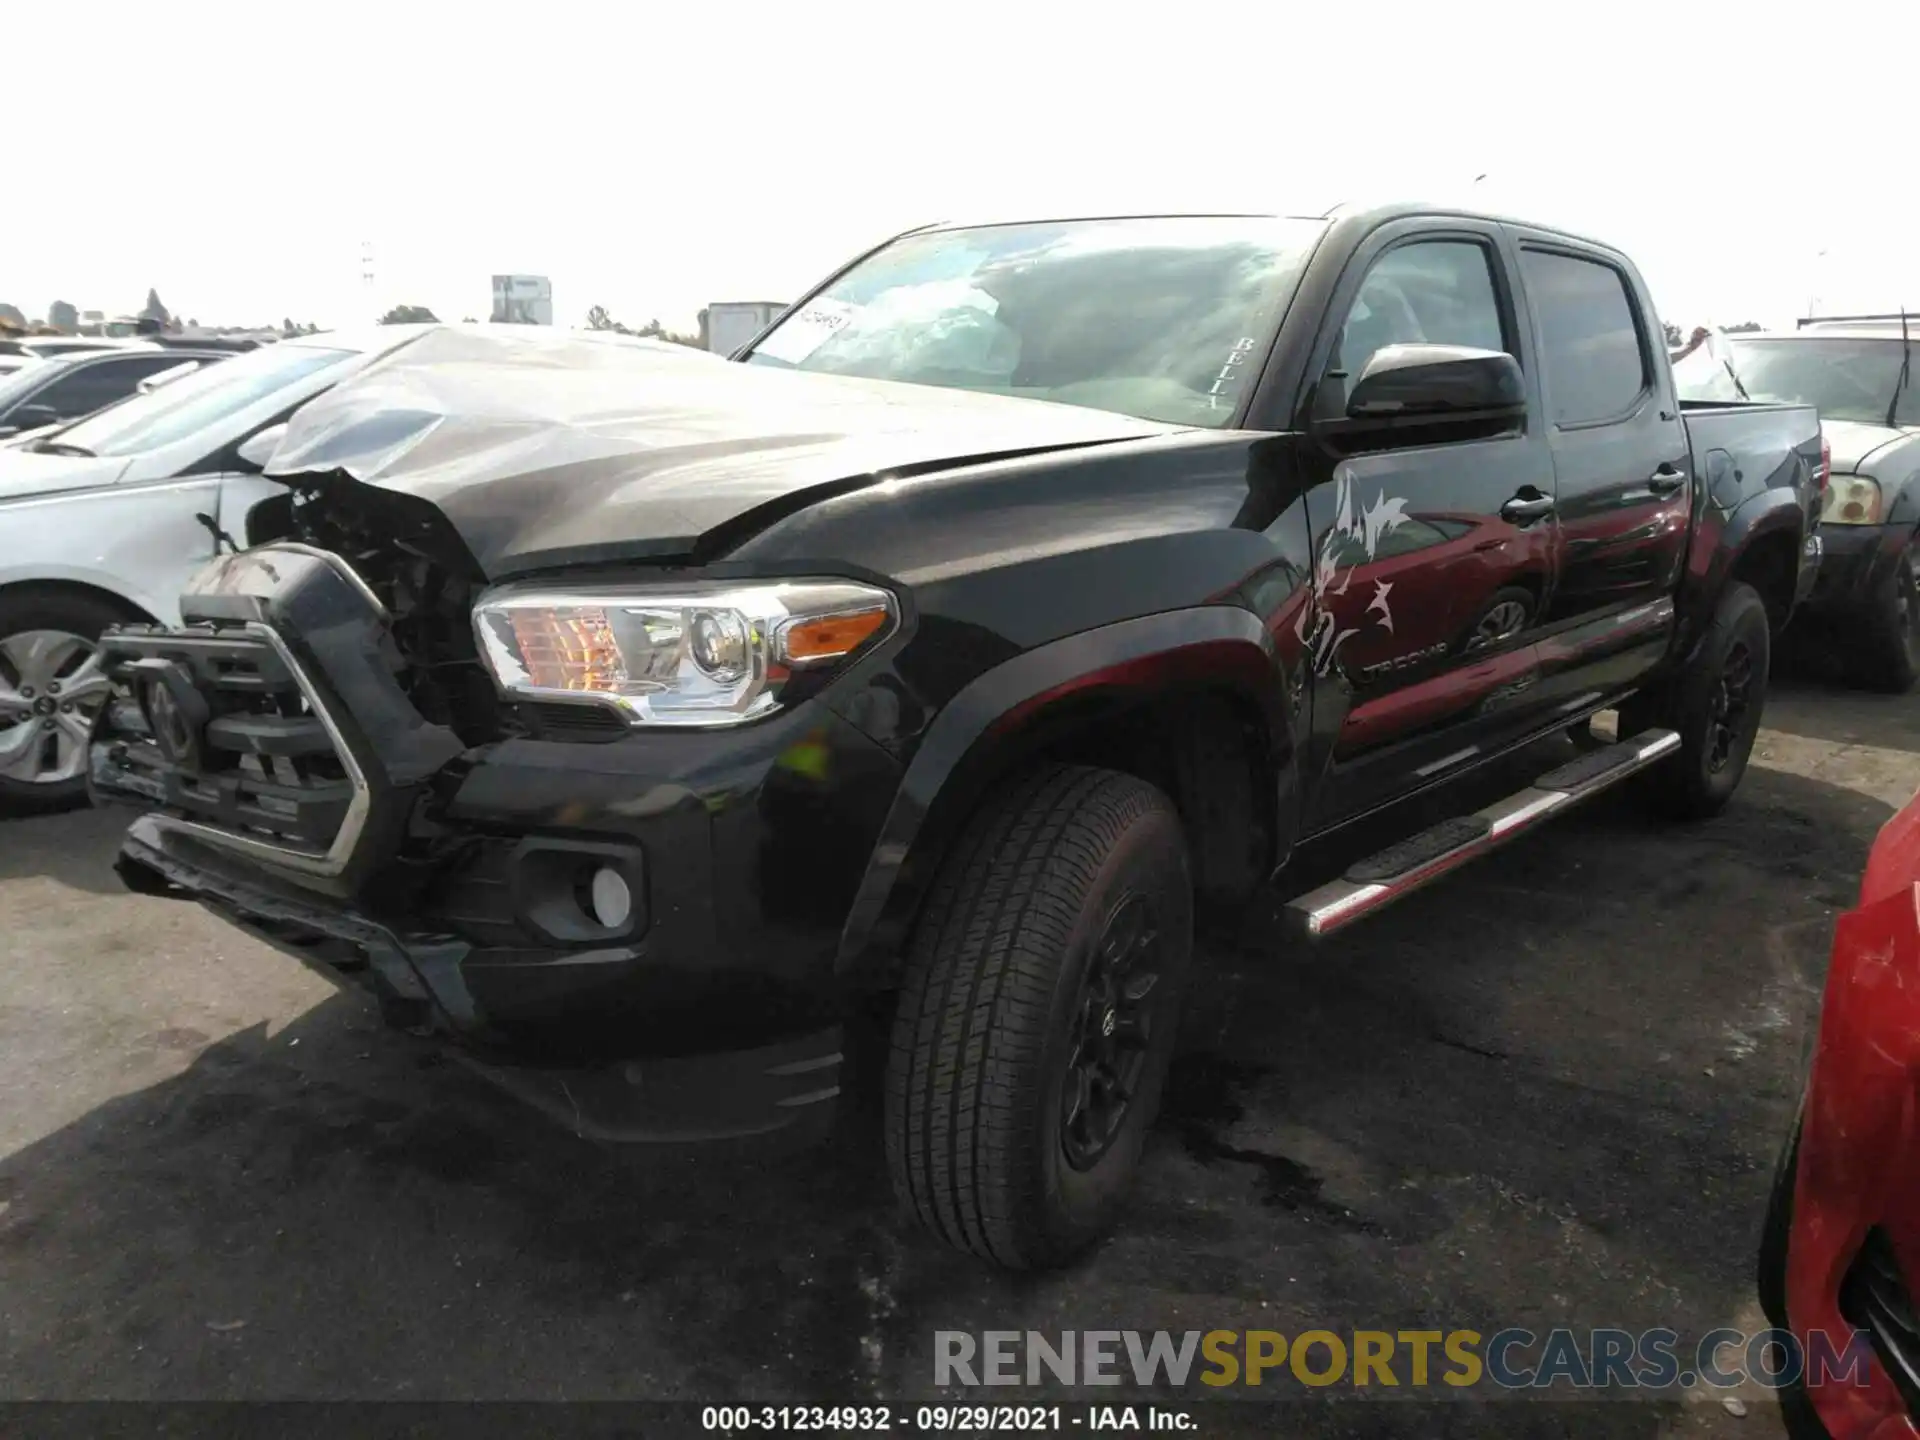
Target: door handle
1527, 507
1666, 480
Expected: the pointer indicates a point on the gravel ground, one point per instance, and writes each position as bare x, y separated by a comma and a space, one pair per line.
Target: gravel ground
1546, 1093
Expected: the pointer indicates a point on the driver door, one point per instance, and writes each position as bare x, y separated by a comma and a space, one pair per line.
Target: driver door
1431, 559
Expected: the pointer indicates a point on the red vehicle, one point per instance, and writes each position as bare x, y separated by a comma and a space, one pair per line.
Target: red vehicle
1841, 1247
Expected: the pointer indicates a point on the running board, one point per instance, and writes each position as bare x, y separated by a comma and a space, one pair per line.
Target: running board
1377, 881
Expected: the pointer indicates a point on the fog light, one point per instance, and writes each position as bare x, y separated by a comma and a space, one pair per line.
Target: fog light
612, 900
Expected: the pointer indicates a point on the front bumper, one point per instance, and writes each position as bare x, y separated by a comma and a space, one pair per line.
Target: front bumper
452, 881
787, 1086
1854, 1246
1854, 566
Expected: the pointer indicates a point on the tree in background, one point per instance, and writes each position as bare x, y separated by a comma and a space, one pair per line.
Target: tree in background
153, 309
12, 315
63, 317
654, 330
599, 319
1745, 327
409, 315
1674, 338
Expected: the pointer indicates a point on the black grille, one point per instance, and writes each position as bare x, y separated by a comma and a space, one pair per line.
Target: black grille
565, 720
1875, 1297
257, 762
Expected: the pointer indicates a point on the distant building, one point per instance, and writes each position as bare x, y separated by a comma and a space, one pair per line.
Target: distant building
63, 317
522, 300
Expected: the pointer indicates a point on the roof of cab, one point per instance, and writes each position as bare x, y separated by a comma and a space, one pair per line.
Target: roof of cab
1363, 216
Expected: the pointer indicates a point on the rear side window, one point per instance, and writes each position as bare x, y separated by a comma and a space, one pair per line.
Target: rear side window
1595, 365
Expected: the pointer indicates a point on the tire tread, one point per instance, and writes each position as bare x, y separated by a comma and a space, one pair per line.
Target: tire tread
977, 994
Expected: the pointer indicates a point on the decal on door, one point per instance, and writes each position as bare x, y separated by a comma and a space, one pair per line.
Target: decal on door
1351, 542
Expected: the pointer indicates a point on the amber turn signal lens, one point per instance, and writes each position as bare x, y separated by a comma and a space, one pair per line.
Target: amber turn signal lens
831, 636
568, 649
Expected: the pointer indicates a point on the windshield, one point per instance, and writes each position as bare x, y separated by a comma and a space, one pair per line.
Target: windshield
1161, 319
183, 407
1844, 379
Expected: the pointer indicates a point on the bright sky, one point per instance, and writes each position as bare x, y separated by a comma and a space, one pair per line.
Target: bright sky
653, 157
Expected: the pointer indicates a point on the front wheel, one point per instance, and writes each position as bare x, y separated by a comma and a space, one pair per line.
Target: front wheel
1886, 650
1715, 705
51, 685
1776, 1231
1037, 1015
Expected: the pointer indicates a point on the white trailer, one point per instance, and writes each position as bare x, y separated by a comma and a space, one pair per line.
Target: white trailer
732, 323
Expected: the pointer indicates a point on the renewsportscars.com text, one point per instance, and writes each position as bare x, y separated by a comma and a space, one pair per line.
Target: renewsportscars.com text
1513, 1359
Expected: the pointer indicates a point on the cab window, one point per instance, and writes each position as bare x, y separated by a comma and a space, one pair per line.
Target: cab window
1427, 292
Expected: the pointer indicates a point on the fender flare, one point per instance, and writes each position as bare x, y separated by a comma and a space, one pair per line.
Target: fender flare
977, 735
1773, 511
1901, 496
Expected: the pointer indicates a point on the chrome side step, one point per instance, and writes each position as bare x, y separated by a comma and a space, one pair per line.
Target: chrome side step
1379, 880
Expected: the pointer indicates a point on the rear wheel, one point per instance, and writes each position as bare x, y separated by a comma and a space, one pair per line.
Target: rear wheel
51, 686
1037, 1015
1715, 705
1885, 655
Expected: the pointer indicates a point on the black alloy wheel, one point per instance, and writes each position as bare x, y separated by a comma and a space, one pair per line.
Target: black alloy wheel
1732, 700
1116, 1016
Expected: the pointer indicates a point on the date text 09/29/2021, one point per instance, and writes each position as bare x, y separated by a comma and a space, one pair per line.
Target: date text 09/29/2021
944, 1419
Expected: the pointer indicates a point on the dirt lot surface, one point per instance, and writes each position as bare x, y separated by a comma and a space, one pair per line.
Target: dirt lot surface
1547, 1093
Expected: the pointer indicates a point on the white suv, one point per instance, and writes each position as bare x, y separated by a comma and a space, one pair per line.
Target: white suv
103, 520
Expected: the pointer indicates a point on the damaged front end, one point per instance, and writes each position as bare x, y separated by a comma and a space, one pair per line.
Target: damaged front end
322, 758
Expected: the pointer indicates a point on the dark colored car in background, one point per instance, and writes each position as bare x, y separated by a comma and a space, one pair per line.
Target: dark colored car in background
658, 727
1859, 374
59, 391
1840, 1252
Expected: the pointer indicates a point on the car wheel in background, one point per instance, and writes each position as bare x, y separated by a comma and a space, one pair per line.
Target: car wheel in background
1037, 1015
1715, 704
1885, 653
1501, 618
50, 688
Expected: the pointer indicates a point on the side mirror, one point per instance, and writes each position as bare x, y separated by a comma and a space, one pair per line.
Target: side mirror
257, 449
1437, 382
167, 377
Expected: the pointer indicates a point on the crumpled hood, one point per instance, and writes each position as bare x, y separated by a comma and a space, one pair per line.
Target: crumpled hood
1854, 445
546, 448
25, 475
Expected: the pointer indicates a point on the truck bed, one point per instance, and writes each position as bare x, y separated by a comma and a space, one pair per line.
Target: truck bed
1752, 446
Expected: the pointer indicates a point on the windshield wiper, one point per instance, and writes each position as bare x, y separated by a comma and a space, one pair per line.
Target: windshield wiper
1906, 370
1724, 352
61, 447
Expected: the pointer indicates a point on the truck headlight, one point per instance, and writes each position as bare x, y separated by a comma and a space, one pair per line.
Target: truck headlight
690, 655
1851, 500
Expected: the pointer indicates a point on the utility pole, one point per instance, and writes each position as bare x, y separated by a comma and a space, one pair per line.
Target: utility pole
366, 279
1814, 298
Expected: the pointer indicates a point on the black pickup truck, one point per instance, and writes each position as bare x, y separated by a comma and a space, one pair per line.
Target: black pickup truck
643, 723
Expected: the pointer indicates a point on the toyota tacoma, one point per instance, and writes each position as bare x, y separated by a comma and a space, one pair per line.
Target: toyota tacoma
1021, 596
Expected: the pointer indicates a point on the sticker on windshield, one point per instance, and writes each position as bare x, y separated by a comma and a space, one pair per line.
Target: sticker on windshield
806, 330
1227, 382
